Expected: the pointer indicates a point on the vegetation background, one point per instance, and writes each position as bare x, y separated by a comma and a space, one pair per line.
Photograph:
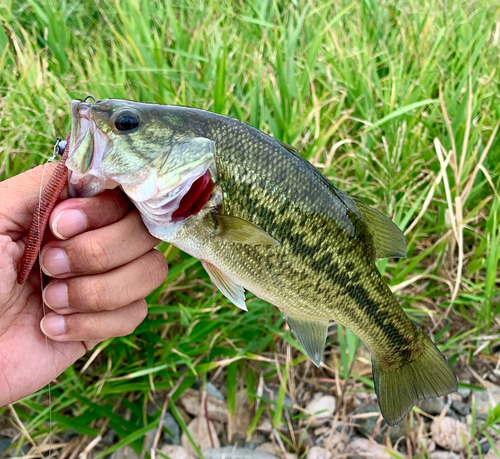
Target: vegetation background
396, 101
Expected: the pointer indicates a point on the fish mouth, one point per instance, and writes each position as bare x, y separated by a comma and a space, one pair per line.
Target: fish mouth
88, 146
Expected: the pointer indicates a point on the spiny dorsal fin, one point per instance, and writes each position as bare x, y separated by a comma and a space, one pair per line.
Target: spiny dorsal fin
290, 149
388, 239
236, 229
311, 334
233, 292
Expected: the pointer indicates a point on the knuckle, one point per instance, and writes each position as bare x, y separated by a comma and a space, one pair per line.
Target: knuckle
96, 256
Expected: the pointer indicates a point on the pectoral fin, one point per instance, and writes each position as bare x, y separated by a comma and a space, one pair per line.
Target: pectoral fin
388, 239
311, 334
236, 229
233, 292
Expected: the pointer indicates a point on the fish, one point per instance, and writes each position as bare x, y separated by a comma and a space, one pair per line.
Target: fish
262, 219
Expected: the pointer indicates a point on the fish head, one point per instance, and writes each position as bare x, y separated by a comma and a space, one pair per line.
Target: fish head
111, 144
148, 150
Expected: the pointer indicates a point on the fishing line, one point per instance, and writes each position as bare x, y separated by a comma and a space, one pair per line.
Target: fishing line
56, 152
44, 306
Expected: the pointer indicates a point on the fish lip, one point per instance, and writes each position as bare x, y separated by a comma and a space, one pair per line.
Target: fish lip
86, 181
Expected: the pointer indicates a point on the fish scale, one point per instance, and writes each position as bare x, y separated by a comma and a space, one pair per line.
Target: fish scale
273, 226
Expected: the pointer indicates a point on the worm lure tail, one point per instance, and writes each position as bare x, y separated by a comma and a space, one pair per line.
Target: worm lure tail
42, 212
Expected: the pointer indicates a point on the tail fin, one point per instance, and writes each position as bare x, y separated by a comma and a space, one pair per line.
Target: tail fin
400, 386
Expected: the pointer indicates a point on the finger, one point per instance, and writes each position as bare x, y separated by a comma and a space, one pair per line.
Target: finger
96, 326
21, 195
98, 251
74, 216
110, 290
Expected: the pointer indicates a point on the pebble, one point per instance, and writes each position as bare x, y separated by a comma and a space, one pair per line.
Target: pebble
321, 409
125, 453
171, 431
243, 414
199, 432
230, 452
443, 455
491, 454
432, 406
450, 434
275, 450
4, 444
367, 449
271, 394
176, 452
366, 426
487, 399
316, 452
217, 409
461, 408
214, 392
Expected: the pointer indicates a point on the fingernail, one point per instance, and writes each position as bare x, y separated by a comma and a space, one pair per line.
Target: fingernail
55, 262
53, 325
55, 295
69, 223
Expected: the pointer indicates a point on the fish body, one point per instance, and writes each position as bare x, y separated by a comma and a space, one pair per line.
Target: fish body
266, 221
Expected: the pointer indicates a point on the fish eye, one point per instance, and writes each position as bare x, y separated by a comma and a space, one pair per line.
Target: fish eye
126, 120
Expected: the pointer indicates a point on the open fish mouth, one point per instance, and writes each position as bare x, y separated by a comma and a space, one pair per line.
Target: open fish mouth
88, 146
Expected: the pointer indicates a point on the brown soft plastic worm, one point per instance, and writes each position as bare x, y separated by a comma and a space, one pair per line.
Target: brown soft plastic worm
41, 216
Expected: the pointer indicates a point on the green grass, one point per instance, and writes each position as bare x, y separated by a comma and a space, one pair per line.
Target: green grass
396, 101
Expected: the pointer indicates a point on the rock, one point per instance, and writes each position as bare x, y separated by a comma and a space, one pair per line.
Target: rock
450, 434
230, 452
397, 432
109, 438
432, 406
172, 430
443, 455
487, 399
5, 443
491, 453
149, 439
176, 452
316, 452
367, 449
271, 394
198, 429
267, 447
366, 426
256, 440
217, 409
321, 409
125, 453
243, 415
464, 392
461, 408
214, 392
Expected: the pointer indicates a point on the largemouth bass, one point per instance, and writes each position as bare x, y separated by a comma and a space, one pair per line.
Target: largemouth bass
261, 218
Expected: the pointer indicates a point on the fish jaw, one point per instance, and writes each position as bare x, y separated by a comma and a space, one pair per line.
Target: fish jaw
88, 147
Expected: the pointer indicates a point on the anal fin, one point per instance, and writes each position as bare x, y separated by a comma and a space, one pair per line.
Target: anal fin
232, 291
311, 334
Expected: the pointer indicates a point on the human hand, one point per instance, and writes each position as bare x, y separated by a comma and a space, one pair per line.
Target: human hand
102, 262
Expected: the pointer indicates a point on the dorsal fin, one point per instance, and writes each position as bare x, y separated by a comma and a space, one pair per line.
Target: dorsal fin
289, 148
388, 239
